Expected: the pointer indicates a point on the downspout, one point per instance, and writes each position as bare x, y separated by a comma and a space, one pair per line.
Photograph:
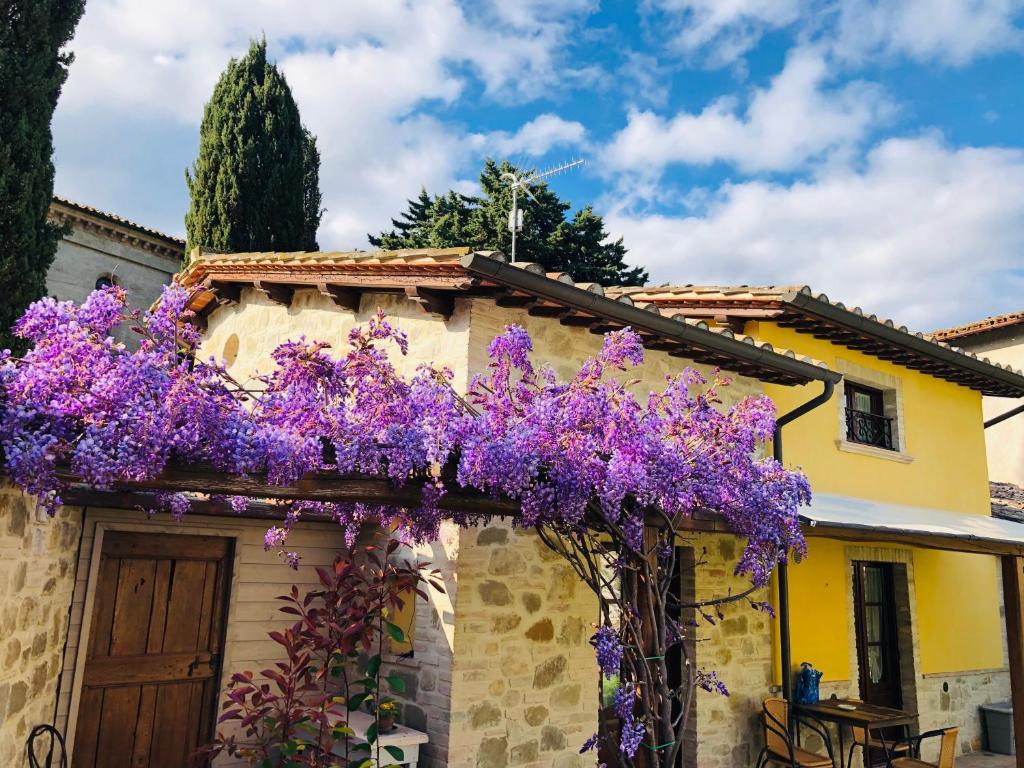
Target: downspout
785, 647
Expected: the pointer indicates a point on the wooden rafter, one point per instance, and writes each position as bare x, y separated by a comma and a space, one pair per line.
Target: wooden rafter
432, 301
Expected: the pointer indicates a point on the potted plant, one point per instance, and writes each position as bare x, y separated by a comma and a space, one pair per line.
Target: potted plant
386, 714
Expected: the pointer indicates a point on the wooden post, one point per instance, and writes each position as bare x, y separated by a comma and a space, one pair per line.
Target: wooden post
1013, 599
648, 636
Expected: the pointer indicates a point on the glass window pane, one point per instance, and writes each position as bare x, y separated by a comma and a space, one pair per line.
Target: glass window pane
873, 623
872, 585
862, 401
875, 670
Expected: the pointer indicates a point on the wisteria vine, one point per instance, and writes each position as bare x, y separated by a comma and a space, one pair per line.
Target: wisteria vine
578, 456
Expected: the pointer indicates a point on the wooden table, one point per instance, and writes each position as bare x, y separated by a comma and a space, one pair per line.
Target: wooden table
867, 716
406, 739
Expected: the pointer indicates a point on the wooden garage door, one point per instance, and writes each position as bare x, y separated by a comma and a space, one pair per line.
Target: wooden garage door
151, 672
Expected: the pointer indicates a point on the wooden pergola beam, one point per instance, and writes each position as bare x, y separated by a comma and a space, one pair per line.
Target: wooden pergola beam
1013, 600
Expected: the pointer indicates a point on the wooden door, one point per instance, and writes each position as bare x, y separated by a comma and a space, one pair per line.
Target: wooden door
878, 652
153, 661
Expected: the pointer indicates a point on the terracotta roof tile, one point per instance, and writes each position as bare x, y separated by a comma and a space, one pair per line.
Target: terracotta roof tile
984, 325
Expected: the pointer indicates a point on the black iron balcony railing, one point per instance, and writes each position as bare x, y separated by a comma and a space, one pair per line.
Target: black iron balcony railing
869, 429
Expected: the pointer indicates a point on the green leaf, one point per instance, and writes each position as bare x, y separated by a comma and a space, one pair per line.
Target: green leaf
396, 632
395, 752
356, 701
396, 682
373, 666
364, 763
371, 733
342, 730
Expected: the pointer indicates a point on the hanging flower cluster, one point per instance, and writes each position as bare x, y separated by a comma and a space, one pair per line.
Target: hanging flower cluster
82, 402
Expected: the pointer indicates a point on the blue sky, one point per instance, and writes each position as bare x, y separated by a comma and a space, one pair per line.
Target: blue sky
870, 148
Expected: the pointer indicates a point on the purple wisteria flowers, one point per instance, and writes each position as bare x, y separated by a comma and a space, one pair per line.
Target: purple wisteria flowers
575, 455
81, 401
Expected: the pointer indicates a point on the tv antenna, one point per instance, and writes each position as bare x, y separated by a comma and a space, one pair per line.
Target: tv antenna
522, 182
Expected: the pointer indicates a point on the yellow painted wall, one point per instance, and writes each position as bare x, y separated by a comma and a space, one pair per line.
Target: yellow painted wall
819, 608
957, 595
959, 621
943, 429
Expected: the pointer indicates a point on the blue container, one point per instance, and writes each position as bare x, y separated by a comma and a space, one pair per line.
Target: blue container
808, 681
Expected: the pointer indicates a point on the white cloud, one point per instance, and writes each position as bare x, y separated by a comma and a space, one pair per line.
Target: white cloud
924, 233
784, 126
365, 73
952, 32
535, 138
724, 30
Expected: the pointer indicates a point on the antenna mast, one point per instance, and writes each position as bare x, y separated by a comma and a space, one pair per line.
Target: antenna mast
521, 182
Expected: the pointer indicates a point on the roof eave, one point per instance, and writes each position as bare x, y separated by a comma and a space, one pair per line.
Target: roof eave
1011, 383
569, 295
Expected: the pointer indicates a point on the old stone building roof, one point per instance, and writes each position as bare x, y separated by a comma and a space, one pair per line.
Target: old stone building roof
435, 277
111, 225
803, 310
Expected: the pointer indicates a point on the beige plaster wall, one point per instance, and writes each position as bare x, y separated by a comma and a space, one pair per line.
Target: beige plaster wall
256, 326
37, 575
1004, 442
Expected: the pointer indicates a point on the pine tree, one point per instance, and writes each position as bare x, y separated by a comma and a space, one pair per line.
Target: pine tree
255, 184
32, 71
575, 245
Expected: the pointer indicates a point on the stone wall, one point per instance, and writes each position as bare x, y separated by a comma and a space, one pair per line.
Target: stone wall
524, 679
739, 648
37, 577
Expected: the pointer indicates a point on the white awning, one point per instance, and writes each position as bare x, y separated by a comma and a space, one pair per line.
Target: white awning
831, 515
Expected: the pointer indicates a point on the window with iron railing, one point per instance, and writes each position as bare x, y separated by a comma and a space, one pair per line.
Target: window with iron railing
866, 422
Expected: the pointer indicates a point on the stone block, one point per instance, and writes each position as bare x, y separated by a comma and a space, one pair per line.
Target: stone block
525, 753
550, 672
542, 631
493, 753
484, 715
494, 593
492, 536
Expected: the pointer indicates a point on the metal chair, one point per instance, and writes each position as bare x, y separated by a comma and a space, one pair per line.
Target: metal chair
779, 746
56, 743
947, 750
862, 738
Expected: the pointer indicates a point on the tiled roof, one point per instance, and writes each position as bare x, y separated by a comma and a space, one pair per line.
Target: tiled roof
1007, 501
430, 262
798, 307
425, 272
980, 326
89, 210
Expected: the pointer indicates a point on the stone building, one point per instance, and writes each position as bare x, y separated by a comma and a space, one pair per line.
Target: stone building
501, 673
101, 248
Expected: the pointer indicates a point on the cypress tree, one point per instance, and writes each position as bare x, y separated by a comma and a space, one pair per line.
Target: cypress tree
32, 71
255, 184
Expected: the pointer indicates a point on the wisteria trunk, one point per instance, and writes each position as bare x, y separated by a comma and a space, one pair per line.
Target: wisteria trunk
636, 596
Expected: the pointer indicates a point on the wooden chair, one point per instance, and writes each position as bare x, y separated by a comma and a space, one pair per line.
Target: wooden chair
947, 750
863, 738
779, 747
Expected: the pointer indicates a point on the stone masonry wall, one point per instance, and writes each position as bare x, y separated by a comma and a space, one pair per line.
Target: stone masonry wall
524, 679
739, 648
37, 577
